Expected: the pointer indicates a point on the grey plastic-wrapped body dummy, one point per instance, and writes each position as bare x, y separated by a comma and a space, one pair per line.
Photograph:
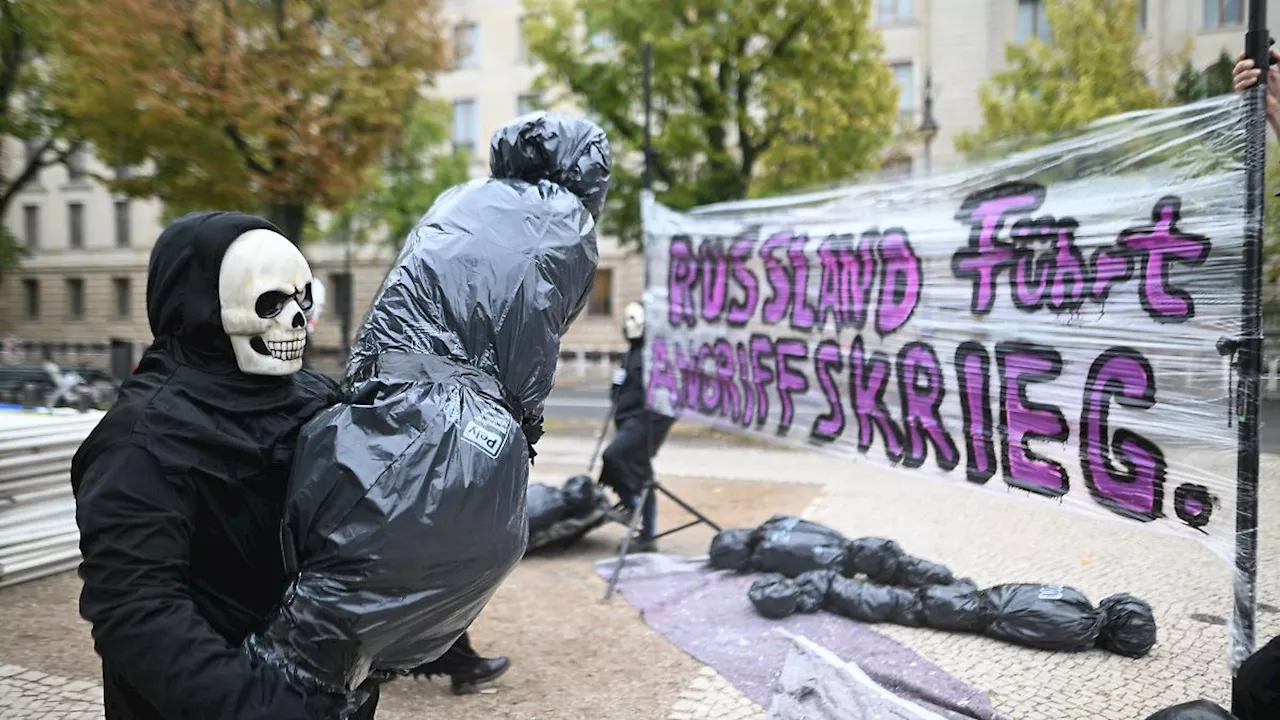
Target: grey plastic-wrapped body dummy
407, 500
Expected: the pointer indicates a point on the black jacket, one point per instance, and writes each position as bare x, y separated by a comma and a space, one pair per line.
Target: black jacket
629, 394
179, 493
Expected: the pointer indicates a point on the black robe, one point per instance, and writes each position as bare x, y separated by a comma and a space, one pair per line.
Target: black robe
179, 493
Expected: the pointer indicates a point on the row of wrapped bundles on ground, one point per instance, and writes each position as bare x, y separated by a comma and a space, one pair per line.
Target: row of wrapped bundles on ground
406, 503
790, 545
811, 567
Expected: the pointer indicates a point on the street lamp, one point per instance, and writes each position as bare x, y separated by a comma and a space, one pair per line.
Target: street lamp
928, 125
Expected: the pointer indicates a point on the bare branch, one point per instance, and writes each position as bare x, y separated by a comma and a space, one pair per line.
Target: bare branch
245, 151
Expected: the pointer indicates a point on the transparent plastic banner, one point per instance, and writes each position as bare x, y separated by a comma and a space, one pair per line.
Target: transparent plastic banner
1047, 322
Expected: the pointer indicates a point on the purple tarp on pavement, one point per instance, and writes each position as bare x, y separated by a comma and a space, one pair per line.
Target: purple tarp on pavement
706, 613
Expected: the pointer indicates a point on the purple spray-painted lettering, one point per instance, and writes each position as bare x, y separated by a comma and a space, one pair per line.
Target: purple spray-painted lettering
749, 389
985, 213
802, 314
1160, 246
662, 376
775, 308
857, 276
740, 312
709, 390
1110, 267
868, 377
729, 390
831, 301
1067, 291
921, 389
714, 278
899, 282
1020, 365
1122, 375
1030, 278
761, 375
790, 380
682, 275
690, 377
973, 370
827, 360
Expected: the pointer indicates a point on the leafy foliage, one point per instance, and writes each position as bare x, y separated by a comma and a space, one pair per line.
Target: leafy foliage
412, 175
1088, 70
26, 116
1214, 80
276, 105
750, 97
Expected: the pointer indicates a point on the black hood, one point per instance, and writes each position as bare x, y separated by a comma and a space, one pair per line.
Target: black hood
182, 286
187, 403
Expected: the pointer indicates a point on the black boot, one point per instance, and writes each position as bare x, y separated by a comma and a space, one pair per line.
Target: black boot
485, 670
641, 543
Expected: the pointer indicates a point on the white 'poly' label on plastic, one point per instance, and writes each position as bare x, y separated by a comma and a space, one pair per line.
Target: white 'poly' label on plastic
489, 441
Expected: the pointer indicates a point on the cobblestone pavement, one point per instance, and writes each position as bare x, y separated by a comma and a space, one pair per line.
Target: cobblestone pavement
999, 539
30, 695
711, 697
989, 537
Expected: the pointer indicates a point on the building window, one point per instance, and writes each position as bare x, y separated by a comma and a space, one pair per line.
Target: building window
31, 226
904, 74
75, 298
341, 288
124, 297
1032, 21
31, 295
1142, 17
75, 225
75, 165
522, 47
1223, 13
124, 228
528, 103
466, 45
464, 125
889, 12
124, 172
601, 300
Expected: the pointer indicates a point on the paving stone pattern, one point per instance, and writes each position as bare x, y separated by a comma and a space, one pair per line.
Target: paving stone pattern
30, 695
992, 539
711, 697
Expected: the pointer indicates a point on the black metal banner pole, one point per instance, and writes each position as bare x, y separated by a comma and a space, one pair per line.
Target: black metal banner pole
1250, 352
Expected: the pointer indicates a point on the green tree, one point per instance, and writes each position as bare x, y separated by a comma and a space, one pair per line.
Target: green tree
414, 171
276, 106
1088, 70
751, 97
1214, 80
25, 113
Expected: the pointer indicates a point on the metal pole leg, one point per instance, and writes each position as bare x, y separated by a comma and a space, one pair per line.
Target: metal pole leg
636, 515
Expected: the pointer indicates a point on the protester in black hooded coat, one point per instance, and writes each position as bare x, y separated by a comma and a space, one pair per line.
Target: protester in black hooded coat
627, 463
179, 492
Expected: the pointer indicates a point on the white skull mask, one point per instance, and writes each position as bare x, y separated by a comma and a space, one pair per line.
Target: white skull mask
633, 321
264, 287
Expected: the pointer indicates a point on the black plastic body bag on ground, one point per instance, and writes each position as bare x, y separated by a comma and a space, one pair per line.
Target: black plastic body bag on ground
407, 501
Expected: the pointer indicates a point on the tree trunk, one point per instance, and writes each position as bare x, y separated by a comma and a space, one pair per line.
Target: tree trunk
291, 220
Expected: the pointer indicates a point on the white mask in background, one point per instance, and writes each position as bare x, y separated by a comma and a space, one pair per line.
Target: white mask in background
633, 321
264, 286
